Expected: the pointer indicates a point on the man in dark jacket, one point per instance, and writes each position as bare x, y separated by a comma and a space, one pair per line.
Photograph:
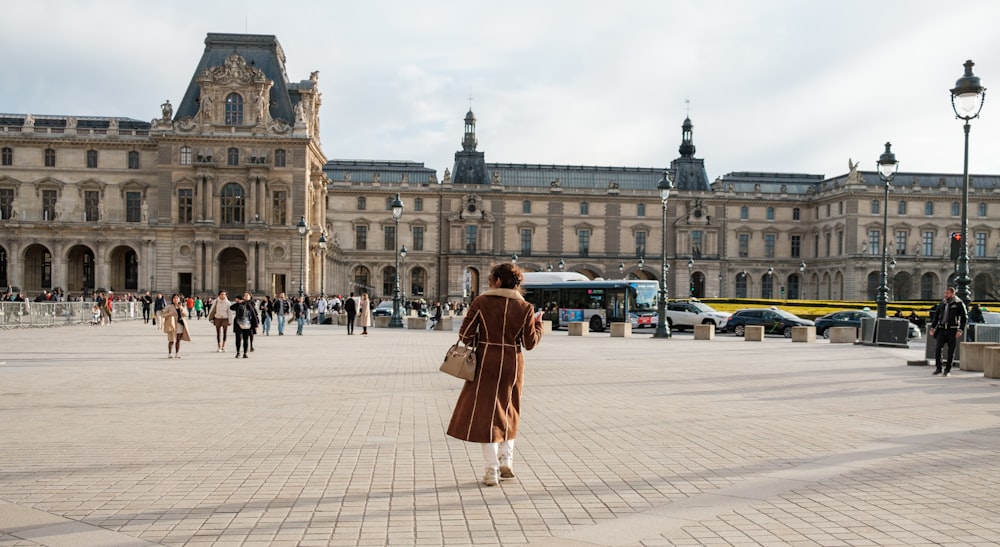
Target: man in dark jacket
281, 306
950, 319
147, 303
351, 307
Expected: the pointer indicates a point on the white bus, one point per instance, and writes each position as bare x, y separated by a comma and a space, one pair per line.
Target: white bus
567, 297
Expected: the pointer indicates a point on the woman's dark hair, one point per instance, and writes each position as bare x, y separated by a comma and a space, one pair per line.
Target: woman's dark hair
510, 275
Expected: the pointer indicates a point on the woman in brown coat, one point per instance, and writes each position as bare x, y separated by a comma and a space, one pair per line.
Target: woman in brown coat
174, 326
489, 408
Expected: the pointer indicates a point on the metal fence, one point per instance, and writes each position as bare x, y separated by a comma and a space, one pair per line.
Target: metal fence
53, 314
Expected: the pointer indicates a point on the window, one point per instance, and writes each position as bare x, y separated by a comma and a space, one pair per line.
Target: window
50, 157
956, 209
875, 206
741, 285
840, 243
233, 156
185, 206
873, 242
927, 287
388, 203
7, 156
902, 208
827, 210
360, 238
769, 245
981, 244
279, 158
91, 206
388, 280
584, 208
233, 201
185, 155
91, 159
796, 214
389, 238
525, 207
696, 238
744, 213
828, 238
133, 159
640, 244
744, 245
584, 238
840, 208
133, 206
796, 241
418, 238
767, 286
417, 281
362, 203
418, 204
471, 234
770, 213
525, 241
816, 246
279, 208
929, 208
640, 209
6, 203
234, 109
928, 243
900, 242
981, 209
49, 198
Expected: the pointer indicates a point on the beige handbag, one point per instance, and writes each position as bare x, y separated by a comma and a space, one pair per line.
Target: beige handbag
460, 361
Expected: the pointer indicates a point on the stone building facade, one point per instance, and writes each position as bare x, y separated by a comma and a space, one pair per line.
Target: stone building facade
210, 196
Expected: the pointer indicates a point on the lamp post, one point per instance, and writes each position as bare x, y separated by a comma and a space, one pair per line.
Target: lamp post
770, 282
302, 256
621, 269
402, 287
513, 259
690, 276
322, 265
887, 167
397, 319
549, 267
802, 280
892, 278
662, 331
562, 264
722, 286
970, 95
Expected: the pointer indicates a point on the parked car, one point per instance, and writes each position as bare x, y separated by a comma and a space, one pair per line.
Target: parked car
852, 318
685, 314
773, 320
383, 308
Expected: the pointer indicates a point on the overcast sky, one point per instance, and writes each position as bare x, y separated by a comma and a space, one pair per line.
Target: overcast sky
774, 86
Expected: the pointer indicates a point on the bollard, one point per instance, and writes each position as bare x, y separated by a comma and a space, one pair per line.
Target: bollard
753, 333
803, 334
621, 330
704, 332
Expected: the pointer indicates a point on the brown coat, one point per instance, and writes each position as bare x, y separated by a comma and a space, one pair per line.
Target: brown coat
489, 408
169, 317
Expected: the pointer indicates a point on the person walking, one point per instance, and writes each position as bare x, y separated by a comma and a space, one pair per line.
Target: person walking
158, 305
221, 315
435, 317
199, 307
300, 309
172, 319
147, 303
281, 307
365, 313
351, 308
321, 310
265, 314
499, 323
189, 303
244, 322
949, 320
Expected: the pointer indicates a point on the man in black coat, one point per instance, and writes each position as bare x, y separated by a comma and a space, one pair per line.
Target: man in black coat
351, 307
950, 319
147, 302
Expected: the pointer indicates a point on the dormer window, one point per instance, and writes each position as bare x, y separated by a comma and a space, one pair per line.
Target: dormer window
234, 109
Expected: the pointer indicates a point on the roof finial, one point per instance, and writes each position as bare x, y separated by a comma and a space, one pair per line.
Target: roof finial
687, 107
470, 99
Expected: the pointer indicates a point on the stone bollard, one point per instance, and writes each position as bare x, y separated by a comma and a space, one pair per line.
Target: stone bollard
974, 355
704, 332
416, 323
445, 324
621, 330
753, 333
843, 335
577, 328
991, 365
804, 334
546, 326
382, 321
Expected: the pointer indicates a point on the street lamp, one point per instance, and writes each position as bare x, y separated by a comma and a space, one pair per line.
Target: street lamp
690, 278
302, 256
770, 283
549, 267
397, 319
562, 264
970, 95
722, 285
322, 265
513, 259
402, 287
621, 269
892, 277
802, 280
664, 186
887, 167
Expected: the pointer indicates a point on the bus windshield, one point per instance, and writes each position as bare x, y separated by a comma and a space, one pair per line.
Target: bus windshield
645, 295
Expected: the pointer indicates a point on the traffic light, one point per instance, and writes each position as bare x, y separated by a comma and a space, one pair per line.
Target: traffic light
956, 245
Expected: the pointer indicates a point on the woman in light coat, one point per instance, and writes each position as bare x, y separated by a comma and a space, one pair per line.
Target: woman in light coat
174, 326
221, 316
365, 313
499, 323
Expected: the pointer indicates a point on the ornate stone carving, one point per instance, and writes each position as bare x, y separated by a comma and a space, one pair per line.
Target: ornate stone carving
234, 70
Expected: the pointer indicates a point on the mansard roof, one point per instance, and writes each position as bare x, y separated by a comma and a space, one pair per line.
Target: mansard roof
83, 122
360, 172
577, 177
770, 183
260, 51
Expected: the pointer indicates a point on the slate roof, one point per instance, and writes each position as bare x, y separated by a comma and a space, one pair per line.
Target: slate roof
390, 172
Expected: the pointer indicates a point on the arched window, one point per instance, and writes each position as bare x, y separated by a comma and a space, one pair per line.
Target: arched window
418, 277
388, 281
362, 280
279, 158
234, 109
185, 155
741, 285
767, 286
927, 287
233, 203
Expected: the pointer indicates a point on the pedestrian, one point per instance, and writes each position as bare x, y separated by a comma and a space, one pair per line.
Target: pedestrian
172, 319
147, 303
435, 317
949, 320
321, 310
365, 313
158, 306
220, 315
265, 314
499, 323
351, 308
244, 321
199, 307
281, 307
300, 309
